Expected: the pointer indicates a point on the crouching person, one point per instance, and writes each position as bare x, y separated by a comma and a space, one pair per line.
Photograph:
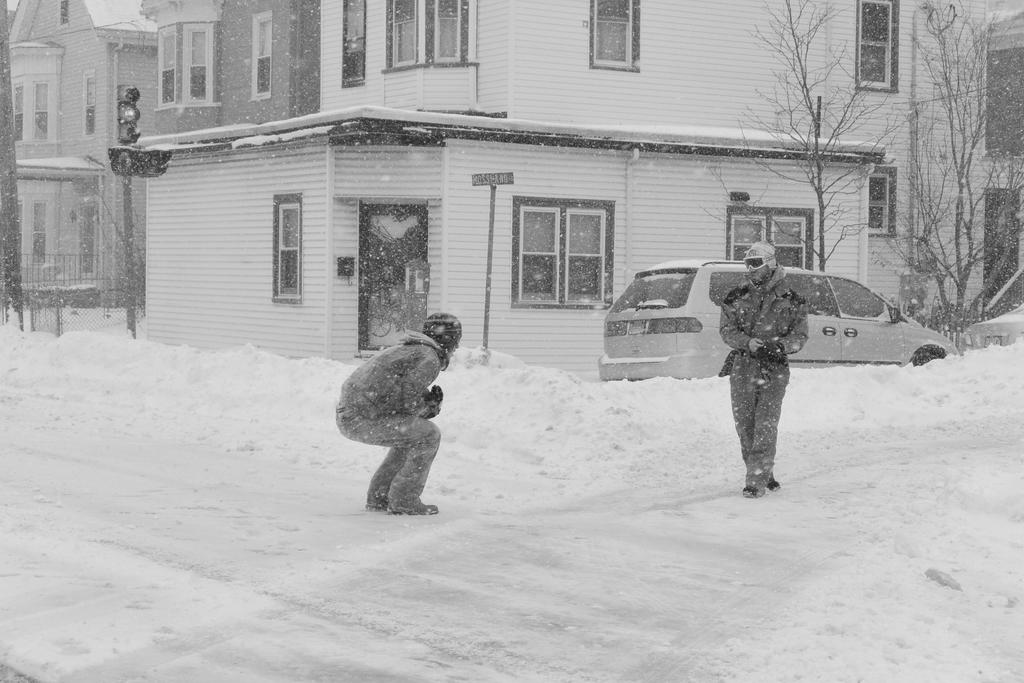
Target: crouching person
389, 401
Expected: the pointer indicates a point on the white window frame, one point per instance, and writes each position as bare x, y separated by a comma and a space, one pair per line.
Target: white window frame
163, 59
187, 64
887, 205
258, 22
890, 45
562, 253
282, 204
88, 76
769, 219
570, 253
18, 103
36, 111
393, 29
457, 57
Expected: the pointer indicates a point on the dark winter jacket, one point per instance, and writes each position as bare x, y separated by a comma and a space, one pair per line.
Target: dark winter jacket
770, 312
395, 380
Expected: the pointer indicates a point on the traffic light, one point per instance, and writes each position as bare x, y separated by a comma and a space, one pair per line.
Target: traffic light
128, 117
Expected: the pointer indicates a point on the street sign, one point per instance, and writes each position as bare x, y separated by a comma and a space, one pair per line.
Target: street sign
493, 179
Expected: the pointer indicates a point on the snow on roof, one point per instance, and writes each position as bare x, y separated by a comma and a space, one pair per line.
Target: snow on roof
121, 15
258, 140
667, 134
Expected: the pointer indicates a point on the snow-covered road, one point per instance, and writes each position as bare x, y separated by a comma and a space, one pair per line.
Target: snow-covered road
150, 540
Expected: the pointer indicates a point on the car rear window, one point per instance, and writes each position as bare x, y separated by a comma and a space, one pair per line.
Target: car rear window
723, 283
673, 287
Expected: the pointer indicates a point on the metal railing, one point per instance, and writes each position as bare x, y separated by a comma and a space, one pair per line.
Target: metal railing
65, 293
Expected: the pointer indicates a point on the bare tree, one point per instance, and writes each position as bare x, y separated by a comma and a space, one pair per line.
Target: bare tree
816, 105
951, 176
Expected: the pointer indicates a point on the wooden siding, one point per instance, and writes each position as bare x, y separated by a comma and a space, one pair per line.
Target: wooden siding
234, 34
434, 89
332, 95
209, 253
493, 51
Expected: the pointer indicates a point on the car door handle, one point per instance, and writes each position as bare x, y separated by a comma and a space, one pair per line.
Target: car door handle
828, 331
850, 332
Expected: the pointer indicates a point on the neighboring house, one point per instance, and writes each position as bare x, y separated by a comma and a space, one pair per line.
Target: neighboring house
235, 61
70, 59
621, 122
1005, 135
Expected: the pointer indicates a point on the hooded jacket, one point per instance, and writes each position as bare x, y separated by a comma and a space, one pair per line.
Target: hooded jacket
395, 380
770, 312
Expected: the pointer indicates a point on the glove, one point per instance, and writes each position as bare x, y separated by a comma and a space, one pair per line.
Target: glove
771, 352
432, 399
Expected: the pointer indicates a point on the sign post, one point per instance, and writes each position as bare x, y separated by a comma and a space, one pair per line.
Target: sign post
492, 179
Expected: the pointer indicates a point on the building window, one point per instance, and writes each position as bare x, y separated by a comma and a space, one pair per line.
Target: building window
87, 239
262, 48
89, 98
402, 32
168, 58
788, 229
353, 58
615, 34
42, 112
877, 46
448, 31
38, 232
562, 252
287, 247
19, 111
198, 52
65, 11
882, 201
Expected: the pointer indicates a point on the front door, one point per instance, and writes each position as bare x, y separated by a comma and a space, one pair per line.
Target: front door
393, 272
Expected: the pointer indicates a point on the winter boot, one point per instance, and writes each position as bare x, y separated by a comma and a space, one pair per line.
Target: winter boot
752, 492
377, 502
416, 508
774, 485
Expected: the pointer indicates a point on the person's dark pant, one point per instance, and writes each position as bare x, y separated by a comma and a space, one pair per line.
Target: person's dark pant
757, 395
413, 442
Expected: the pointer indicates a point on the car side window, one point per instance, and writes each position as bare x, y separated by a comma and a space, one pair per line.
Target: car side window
815, 290
856, 300
722, 283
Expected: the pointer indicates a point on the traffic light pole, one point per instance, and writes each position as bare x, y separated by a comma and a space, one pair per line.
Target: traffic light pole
128, 241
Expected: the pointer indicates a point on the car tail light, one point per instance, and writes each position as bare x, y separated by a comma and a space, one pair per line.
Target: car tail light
615, 328
673, 325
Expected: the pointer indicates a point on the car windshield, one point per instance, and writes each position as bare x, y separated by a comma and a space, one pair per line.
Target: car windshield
673, 287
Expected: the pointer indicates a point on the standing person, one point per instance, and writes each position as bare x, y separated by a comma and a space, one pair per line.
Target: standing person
386, 402
763, 321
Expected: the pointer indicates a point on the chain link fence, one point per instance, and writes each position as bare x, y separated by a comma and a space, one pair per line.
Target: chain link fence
62, 293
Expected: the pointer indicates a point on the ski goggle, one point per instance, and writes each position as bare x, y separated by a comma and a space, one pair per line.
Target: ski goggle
754, 262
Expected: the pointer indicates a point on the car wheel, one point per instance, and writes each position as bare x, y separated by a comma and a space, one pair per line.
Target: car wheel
926, 354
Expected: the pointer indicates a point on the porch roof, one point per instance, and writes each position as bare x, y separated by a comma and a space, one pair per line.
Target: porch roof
58, 168
384, 126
